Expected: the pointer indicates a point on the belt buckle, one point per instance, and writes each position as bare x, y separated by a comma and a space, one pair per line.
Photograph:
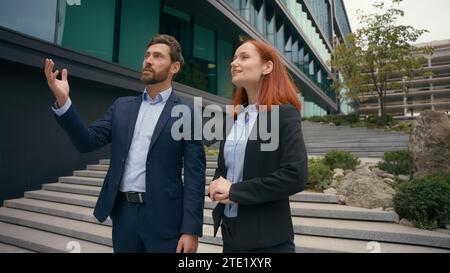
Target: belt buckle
130, 196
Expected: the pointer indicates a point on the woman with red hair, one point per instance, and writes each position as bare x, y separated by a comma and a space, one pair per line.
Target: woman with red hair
253, 184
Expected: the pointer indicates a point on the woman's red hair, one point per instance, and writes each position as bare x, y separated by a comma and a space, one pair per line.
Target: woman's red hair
277, 87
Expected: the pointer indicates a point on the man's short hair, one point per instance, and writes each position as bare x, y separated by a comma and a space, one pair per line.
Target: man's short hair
175, 48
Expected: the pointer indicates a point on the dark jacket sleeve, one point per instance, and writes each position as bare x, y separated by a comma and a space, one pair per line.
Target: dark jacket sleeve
87, 139
217, 212
194, 185
292, 175
220, 170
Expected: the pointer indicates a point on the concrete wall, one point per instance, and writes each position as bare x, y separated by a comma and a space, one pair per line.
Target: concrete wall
33, 148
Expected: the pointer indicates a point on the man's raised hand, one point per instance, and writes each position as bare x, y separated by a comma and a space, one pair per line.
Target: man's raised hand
60, 88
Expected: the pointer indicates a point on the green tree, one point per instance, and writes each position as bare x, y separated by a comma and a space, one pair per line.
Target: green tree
378, 53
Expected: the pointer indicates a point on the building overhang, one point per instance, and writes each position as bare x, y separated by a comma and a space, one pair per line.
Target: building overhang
27, 50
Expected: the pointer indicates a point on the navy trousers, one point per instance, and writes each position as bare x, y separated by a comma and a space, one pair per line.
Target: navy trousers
129, 236
228, 228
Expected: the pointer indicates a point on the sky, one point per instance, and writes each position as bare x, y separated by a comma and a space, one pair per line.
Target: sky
433, 15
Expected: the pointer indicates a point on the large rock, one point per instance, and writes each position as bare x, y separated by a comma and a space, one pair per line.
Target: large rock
362, 188
429, 143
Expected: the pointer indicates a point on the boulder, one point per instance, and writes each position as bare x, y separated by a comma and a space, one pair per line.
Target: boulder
403, 178
429, 143
330, 191
406, 222
338, 172
389, 181
362, 188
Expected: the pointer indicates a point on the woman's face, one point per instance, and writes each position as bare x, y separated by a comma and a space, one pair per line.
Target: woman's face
247, 66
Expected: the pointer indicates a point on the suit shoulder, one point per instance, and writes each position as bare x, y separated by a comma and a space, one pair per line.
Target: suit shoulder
288, 110
188, 102
125, 99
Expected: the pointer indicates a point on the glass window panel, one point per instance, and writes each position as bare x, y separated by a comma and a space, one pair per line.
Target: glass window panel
204, 43
245, 9
279, 41
35, 18
258, 18
270, 25
224, 58
139, 22
88, 30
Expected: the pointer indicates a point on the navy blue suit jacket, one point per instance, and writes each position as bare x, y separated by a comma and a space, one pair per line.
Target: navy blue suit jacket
172, 207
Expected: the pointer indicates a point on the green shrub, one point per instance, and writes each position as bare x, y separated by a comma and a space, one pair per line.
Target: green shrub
379, 121
320, 175
397, 162
425, 201
441, 176
336, 119
317, 119
402, 126
340, 159
352, 118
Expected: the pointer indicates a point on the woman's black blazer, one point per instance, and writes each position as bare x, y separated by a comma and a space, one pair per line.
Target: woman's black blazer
269, 178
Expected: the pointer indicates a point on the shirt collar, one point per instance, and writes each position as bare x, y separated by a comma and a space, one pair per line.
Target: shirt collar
161, 97
252, 108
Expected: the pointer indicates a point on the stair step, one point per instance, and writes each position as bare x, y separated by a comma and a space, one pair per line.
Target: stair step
102, 174
89, 181
62, 197
99, 234
208, 248
72, 188
353, 145
318, 141
99, 167
314, 244
87, 173
364, 230
355, 149
314, 197
358, 154
333, 211
104, 168
56, 209
42, 241
4, 248
209, 164
373, 231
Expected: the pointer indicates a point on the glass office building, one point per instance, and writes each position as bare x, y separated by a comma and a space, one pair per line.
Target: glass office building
117, 31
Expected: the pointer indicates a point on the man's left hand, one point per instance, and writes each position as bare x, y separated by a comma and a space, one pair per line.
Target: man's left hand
188, 243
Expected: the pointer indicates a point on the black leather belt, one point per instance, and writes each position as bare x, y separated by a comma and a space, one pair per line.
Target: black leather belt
132, 197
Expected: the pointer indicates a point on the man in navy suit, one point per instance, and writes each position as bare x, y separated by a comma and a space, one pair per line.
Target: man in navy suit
151, 208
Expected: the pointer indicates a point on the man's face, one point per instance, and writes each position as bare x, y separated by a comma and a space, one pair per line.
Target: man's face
157, 66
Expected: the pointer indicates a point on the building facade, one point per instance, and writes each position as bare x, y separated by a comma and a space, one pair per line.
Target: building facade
117, 31
102, 43
430, 89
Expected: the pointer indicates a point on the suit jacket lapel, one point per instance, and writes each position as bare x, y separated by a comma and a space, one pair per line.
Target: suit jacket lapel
133, 113
163, 118
253, 147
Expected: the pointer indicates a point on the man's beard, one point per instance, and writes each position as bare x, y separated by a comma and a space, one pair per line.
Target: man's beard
156, 78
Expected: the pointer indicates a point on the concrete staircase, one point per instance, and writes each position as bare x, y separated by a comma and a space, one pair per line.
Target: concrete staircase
362, 142
59, 218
